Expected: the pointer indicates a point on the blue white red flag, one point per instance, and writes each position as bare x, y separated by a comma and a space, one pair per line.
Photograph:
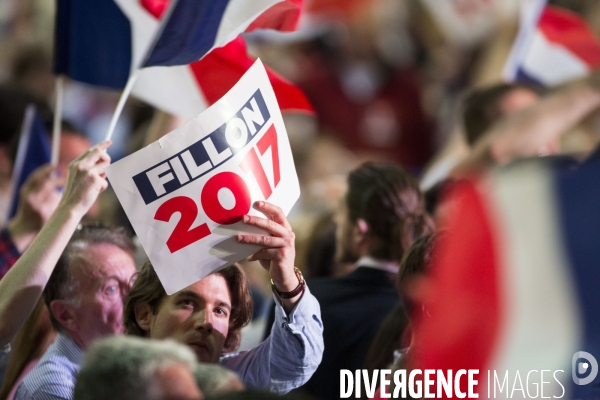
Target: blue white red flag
101, 42
192, 28
33, 152
516, 281
187, 90
557, 47
92, 42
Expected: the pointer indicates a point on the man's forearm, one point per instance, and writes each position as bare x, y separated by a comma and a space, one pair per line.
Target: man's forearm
525, 132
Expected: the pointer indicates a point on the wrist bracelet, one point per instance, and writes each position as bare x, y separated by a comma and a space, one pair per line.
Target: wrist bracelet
299, 289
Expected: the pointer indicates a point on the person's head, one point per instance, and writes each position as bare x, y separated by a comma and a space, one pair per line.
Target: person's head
13, 103
214, 379
130, 368
381, 214
414, 267
207, 315
73, 143
86, 289
483, 107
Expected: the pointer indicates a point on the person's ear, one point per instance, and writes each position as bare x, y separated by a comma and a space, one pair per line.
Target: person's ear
360, 231
143, 316
63, 313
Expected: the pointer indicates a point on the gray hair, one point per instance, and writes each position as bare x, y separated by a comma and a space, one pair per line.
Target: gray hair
124, 367
213, 379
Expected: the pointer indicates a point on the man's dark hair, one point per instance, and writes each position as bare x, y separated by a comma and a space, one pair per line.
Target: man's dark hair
388, 198
481, 108
60, 285
148, 289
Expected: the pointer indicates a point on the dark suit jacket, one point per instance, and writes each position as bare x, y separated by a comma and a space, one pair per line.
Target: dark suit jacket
352, 308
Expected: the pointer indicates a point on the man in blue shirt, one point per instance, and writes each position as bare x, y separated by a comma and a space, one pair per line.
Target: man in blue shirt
209, 314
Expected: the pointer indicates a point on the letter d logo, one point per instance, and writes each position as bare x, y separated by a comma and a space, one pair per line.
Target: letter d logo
582, 363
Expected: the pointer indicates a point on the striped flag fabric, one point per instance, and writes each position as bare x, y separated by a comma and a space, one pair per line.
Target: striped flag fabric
187, 90
33, 152
557, 47
516, 282
192, 28
101, 42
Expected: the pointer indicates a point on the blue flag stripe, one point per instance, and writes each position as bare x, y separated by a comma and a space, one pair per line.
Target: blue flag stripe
34, 151
578, 196
92, 42
189, 33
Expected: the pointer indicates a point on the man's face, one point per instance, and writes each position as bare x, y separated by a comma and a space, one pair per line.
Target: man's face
344, 248
102, 273
197, 316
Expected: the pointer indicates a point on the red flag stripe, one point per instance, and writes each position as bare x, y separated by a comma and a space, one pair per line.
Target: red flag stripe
571, 31
466, 311
219, 70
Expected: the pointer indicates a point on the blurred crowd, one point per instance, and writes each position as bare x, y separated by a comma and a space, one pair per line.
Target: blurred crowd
409, 105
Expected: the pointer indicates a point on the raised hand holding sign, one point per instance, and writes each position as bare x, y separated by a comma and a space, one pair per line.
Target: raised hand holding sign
186, 194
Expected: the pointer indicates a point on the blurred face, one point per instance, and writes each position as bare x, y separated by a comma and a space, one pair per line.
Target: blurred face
102, 272
71, 147
345, 251
177, 382
197, 316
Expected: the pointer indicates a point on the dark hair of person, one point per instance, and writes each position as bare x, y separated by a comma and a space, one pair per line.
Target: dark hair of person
148, 289
13, 103
417, 261
31, 342
61, 284
319, 257
481, 108
388, 198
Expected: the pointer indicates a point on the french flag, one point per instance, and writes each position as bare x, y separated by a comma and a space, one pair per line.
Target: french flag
515, 282
178, 76
33, 152
555, 47
101, 42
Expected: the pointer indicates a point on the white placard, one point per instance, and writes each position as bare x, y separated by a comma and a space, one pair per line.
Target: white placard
185, 194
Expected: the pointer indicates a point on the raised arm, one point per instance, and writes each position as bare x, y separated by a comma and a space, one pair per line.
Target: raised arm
293, 351
22, 286
528, 131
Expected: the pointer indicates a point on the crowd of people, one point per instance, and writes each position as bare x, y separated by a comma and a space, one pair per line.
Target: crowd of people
382, 264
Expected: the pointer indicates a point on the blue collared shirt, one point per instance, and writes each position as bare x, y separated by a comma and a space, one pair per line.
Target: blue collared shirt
54, 376
290, 355
285, 361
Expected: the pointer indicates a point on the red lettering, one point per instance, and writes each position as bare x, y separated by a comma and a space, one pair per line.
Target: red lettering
182, 235
211, 204
251, 163
269, 139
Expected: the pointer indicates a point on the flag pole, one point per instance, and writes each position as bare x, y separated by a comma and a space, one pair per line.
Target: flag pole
121, 104
56, 127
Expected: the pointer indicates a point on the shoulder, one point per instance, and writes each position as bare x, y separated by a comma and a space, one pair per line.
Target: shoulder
53, 375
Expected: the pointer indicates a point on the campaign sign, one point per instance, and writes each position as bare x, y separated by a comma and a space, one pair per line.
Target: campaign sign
186, 193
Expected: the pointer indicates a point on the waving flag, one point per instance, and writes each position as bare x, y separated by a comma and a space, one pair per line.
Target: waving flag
92, 42
557, 47
193, 27
33, 152
516, 280
186, 90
